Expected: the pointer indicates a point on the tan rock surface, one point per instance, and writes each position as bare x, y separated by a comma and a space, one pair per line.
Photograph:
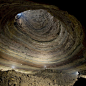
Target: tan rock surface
43, 78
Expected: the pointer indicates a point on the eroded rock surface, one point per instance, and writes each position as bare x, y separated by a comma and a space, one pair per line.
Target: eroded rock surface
35, 36
43, 78
39, 39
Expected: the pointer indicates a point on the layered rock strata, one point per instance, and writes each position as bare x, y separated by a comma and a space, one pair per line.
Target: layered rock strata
35, 37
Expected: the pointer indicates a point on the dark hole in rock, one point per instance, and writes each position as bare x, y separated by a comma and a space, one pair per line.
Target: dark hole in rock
14, 84
80, 82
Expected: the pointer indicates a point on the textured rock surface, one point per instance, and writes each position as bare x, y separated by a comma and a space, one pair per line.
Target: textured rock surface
35, 37
43, 78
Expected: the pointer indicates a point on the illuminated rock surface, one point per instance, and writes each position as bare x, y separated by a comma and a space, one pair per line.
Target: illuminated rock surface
36, 37
43, 78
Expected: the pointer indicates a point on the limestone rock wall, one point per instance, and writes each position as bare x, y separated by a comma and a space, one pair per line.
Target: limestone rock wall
55, 40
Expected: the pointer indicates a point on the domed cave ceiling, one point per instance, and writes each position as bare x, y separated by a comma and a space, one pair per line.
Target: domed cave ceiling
36, 37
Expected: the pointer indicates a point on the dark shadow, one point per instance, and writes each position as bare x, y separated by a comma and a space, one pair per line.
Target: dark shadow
80, 82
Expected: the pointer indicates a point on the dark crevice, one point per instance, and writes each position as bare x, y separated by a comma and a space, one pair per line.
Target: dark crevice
80, 82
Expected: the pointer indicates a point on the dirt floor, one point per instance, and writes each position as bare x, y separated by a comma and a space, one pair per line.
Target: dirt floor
42, 78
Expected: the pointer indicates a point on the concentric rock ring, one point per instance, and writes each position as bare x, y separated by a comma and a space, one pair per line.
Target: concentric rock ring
40, 37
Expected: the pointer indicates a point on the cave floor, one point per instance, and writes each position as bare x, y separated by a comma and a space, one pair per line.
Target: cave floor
42, 78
